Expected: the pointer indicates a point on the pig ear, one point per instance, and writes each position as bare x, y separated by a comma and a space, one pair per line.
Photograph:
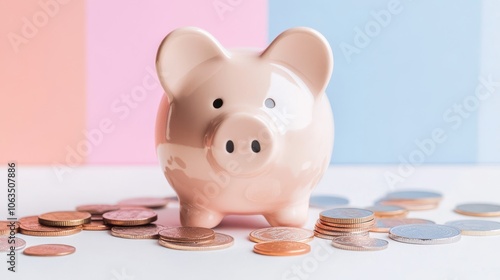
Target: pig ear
307, 53
180, 52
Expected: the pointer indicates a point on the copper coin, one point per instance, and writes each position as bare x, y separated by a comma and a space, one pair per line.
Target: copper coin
96, 225
282, 248
342, 229
96, 218
138, 232
49, 250
220, 241
149, 202
388, 210
6, 243
367, 224
281, 234
132, 217
359, 243
415, 195
187, 234
64, 218
5, 227
31, 227
479, 209
385, 224
476, 227
346, 215
97, 209
28, 219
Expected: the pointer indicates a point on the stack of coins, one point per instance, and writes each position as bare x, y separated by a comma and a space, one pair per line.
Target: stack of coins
344, 222
281, 241
194, 239
412, 200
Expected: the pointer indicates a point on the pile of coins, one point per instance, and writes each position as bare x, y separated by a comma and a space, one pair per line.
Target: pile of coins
281, 241
344, 222
412, 200
194, 239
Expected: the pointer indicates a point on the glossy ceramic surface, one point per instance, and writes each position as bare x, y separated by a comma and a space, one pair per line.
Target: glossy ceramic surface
241, 132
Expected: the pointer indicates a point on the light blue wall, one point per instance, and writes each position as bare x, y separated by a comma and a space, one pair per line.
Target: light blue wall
397, 88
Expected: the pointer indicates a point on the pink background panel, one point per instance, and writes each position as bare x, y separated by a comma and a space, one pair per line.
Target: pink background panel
123, 92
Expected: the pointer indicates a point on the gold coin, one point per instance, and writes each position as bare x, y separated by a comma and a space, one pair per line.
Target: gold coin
281, 234
95, 225
282, 248
341, 229
339, 233
385, 224
388, 210
49, 250
138, 232
346, 215
132, 217
479, 209
330, 237
31, 227
359, 243
367, 224
149, 202
220, 241
64, 218
97, 209
187, 234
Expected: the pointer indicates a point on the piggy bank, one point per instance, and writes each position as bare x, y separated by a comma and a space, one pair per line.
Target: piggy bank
241, 131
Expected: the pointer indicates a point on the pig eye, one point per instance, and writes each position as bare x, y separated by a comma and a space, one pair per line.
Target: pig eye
217, 103
269, 103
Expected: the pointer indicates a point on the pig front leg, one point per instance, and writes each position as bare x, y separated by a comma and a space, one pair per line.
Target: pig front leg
291, 216
193, 216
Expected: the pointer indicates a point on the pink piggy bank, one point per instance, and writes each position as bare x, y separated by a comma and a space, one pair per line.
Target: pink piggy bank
243, 132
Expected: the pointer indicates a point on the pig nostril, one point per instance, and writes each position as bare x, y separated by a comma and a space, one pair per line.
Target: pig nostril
229, 146
255, 146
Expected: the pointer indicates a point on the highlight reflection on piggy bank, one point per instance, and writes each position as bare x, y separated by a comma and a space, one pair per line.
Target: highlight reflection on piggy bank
242, 132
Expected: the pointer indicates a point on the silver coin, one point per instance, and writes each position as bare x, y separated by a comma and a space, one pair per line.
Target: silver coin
414, 195
327, 201
425, 234
476, 227
18, 244
359, 243
479, 209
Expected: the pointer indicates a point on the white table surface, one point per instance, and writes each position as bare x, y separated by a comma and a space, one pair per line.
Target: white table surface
102, 256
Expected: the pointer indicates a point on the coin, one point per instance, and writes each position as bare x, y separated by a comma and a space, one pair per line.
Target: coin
388, 210
330, 237
327, 201
425, 234
411, 205
6, 243
97, 209
149, 202
132, 217
342, 229
282, 248
359, 243
96, 218
415, 195
367, 224
187, 234
479, 209
5, 227
340, 233
220, 241
49, 250
476, 227
28, 219
30, 226
64, 218
281, 234
346, 215
95, 225
138, 232
385, 224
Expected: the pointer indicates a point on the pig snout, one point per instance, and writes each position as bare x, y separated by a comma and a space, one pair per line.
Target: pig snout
242, 144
